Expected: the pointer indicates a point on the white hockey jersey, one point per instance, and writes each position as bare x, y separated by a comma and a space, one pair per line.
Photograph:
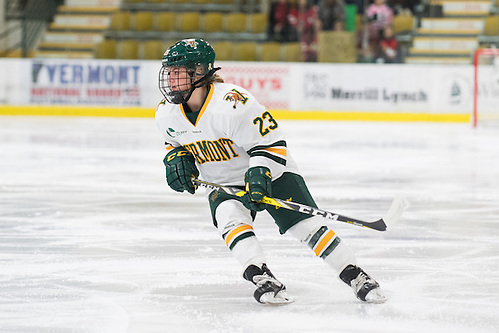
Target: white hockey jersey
232, 132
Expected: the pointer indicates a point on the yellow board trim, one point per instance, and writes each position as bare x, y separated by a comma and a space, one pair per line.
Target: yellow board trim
369, 116
88, 111
81, 111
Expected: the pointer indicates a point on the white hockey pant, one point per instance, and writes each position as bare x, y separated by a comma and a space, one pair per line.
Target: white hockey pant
235, 225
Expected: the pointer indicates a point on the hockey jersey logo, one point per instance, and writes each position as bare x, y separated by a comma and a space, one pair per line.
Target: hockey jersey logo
171, 132
235, 97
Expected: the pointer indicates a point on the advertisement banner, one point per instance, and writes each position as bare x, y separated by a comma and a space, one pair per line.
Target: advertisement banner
78, 82
453, 89
269, 82
391, 88
278, 86
3, 82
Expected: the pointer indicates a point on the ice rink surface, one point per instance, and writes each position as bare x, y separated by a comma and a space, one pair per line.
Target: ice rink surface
93, 240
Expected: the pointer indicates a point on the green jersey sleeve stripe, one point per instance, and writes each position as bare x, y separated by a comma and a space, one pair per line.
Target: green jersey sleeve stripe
270, 156
281, 143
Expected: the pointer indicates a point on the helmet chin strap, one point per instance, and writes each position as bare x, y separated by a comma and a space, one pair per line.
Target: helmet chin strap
206, 77
197, 83
180, 98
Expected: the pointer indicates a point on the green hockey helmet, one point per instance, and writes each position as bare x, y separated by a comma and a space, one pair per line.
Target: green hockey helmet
195, 59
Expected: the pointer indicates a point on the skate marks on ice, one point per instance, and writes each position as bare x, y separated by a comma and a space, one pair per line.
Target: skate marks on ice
92, 240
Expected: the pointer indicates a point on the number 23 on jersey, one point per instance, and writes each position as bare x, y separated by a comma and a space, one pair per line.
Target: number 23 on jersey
266, 123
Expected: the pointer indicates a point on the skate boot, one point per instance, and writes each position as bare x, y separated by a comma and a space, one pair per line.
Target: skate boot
269, 290
364, 287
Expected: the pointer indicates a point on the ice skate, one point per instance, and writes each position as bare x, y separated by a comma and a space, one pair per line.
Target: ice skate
364, 287
269, 290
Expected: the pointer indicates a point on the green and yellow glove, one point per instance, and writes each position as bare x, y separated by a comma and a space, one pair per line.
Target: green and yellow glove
180, 168
258, 183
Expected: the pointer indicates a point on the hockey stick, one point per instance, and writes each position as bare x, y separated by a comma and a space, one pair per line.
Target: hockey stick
391, 216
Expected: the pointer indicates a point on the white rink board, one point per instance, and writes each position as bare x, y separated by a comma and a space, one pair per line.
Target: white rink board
286, 86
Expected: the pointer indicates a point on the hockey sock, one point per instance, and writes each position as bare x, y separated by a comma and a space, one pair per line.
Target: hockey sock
248, 251
234, 225
328, 246
324, 242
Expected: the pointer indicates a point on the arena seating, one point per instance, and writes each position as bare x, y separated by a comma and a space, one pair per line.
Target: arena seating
143, 29
462, 27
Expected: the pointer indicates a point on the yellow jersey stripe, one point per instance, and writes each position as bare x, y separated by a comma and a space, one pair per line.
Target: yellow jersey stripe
280, 151
203, 108
206, 102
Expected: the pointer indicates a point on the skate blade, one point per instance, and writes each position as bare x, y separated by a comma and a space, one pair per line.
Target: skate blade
376, 296
280, 299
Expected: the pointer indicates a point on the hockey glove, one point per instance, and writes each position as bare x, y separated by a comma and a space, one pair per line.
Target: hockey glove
258, 182
180, 168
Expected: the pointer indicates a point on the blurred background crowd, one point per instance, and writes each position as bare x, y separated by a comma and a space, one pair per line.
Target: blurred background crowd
367, 31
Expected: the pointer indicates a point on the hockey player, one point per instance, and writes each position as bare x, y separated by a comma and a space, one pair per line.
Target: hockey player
220, 131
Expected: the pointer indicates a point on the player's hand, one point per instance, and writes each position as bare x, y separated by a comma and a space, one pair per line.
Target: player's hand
180, 168
258, 183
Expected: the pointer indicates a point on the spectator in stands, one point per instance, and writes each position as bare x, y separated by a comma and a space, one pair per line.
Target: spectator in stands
388, 47
330, 13
306, 22
365, 52
379, 16
404, 7
22, 4
280, 28
358, 3
339, 26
